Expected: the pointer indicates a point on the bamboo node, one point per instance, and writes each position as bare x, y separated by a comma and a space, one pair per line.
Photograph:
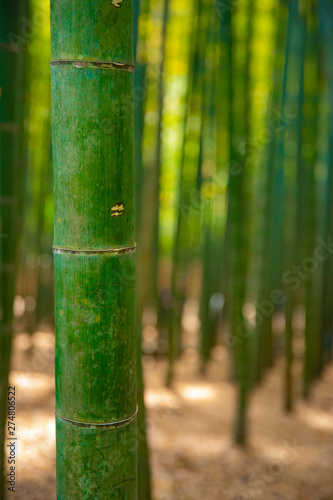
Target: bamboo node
93, 64
99, 425
120, 250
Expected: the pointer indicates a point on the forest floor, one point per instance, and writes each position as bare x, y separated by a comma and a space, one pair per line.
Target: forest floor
289, 457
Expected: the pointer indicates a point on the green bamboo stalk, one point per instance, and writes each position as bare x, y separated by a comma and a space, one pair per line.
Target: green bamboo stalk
276, 156
324, 226
326, 40
324, 188
239, 130
187, 173
12, 67
210, 224
43, 303
270, 248
326, 324
211, 300
92, 110
225, 104
140, 8
294, 199
206, 340
37, 192
309, 153
327, 308
144, 486
280, 192
157, 173
38, 199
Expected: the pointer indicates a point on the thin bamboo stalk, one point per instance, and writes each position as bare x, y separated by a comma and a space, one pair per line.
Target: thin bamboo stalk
12, 67
157, 172
326, 40
239, 130
309, 155
181, 247
144, 486
210, 248
293, 204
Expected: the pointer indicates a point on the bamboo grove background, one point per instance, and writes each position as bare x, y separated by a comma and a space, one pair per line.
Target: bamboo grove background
234, 187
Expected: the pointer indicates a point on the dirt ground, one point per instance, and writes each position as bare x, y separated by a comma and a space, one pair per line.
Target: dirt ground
290, 457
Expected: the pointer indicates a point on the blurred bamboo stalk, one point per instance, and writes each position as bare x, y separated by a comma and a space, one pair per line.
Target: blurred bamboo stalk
144, 486
12, 164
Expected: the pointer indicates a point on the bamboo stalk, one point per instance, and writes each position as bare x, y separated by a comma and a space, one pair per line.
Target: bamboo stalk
144, 486
309, 154
239, 130
326, 40
158, 152
92, 110
226, 88
211, 259
271, 211
181, 246
12, 67
294, 198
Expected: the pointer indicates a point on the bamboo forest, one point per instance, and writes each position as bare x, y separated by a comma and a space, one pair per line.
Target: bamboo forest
166, 249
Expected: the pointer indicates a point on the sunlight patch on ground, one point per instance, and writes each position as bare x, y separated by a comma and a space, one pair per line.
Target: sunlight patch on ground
317, 419
162, 397
22, 341
283, 454
44, 340
37, 383
197, 392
